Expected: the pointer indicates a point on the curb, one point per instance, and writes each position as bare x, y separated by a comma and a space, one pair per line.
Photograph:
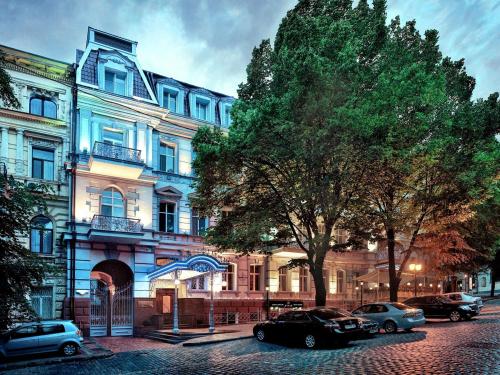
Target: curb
200, 343
52, 361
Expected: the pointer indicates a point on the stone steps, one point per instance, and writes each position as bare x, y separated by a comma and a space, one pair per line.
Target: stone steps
171, 338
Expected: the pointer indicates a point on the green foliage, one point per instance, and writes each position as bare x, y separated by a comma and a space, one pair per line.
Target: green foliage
345, 123
21, 270
6, 94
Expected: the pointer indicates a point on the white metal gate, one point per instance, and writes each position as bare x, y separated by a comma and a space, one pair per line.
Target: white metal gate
122, 305
99, 301
111, 313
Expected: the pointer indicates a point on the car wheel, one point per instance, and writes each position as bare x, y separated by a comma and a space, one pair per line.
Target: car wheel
310, 341
390, 327
455, 316
69, 349
261, 335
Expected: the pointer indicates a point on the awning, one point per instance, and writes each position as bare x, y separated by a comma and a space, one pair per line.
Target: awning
188, 268
382, 276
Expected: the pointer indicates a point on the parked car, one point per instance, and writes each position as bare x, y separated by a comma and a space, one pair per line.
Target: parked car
465, 297
439, 306
392, 315
310, 328
369, 327
41, 337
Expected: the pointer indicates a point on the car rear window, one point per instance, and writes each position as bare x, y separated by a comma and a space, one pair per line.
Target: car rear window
401, 306
328, 314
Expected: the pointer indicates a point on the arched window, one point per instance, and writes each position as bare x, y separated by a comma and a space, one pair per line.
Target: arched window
42, 233
43, 107
340, 281
112, 203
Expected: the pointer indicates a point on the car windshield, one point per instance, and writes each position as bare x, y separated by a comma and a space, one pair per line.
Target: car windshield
443, 299
326, 314
401, 306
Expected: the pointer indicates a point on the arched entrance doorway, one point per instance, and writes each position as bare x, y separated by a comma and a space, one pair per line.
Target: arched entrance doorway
111, 299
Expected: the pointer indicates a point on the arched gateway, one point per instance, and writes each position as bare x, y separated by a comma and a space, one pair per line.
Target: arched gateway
111, 299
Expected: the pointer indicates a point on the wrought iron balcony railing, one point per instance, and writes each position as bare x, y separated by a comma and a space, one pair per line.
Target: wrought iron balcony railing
115, 224
107, 150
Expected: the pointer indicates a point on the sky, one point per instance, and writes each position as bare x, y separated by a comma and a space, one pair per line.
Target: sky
209, 42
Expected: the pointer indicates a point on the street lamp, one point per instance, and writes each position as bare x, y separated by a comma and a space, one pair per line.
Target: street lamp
175, 328
267, 302
361, 283
415, 267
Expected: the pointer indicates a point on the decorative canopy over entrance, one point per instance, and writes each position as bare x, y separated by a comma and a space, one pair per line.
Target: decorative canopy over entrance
188, 268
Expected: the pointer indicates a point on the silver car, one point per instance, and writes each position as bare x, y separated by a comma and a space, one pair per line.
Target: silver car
465, 297
41, 337
392, 315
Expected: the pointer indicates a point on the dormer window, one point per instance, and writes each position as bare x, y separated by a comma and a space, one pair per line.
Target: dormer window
227, 115
115, 82
43, 107
201, 109
170, 100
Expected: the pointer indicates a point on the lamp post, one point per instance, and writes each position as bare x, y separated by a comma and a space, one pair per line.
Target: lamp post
211, 323
415, 267
175, 328
361, 283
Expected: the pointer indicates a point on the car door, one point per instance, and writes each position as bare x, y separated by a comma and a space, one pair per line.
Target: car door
367, 311
299, 325
23, 340
50, 337
279, 330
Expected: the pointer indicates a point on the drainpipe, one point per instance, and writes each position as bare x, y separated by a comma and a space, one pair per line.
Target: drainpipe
74, 162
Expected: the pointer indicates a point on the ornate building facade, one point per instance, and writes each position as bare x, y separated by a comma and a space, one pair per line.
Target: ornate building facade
34, 147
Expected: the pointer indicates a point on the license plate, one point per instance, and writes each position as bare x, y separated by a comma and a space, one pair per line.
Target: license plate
350, 326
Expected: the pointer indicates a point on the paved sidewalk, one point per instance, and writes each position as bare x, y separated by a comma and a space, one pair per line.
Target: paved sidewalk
129, 344
231, 333
90, 350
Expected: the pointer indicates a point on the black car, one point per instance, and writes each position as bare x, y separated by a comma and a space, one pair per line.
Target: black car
310, 328
438, 306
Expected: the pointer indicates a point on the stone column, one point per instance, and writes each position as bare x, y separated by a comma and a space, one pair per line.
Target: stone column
19, 152
4, 151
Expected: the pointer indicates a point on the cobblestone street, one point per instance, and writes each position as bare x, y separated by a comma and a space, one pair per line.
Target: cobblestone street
439, 347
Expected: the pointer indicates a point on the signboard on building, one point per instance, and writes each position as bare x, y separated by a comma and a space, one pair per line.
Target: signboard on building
282, 304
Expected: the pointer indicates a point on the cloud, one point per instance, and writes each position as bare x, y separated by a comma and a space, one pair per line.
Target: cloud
209, 42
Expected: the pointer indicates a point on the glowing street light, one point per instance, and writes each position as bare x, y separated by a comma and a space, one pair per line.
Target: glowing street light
415, 267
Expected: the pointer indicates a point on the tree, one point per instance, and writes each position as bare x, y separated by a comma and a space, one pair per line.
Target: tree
290, 165
7, 96
21, 270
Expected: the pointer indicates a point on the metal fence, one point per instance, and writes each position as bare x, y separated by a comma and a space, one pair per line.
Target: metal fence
238, 317
116, 152
115, 224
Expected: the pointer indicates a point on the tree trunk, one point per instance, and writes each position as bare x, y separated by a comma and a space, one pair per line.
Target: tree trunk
493, 282
319, 284
393, 279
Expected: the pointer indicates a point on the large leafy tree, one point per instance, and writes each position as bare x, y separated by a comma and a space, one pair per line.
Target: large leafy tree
21, 269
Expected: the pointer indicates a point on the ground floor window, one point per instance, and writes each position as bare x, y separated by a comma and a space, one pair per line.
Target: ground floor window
303, 279
283, 279
229, 278
340, 281
255, 277
42, 302
198, 283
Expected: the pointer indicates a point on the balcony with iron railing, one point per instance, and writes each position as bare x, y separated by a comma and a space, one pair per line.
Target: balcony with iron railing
115, 229
116, 161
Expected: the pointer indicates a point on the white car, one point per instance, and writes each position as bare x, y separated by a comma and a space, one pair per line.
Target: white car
465, 297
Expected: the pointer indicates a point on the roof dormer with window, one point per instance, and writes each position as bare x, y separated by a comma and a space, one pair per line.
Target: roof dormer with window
171, 95
202, 105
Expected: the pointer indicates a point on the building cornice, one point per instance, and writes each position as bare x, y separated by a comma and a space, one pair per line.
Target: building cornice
10, 113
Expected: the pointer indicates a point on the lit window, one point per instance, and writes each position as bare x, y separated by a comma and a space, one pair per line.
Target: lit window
341, 236
167, 217
43, 107
340, 281
198, 283
255, 277
283, 279
170, 100
326, 280
41, 235
42, 164
112, 203
115, 82
202, 110
229, 278
198, 224
167, 158
303, 279
112, 137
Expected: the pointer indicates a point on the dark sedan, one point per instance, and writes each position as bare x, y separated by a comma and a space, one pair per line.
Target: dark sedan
442, 307
310, 328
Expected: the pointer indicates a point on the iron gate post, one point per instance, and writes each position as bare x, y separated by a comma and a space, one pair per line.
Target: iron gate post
211, 322
175, 328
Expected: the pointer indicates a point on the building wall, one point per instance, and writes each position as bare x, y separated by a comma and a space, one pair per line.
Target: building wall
34, 76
